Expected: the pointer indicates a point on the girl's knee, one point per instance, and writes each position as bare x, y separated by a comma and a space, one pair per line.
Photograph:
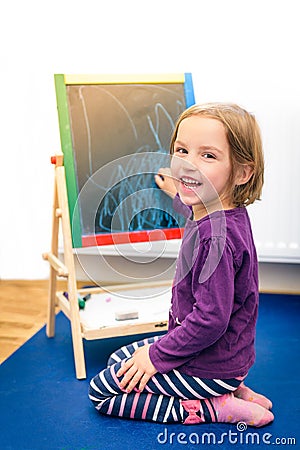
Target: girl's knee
105, 384
94, 392
97, 390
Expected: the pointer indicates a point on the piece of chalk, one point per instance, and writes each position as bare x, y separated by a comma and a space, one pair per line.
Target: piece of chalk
126, 315
81, 300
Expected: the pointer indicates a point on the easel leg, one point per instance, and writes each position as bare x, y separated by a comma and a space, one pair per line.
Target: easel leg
77, 339
50, 327
57, 268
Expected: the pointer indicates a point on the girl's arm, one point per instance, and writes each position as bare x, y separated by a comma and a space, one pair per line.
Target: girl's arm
207, 322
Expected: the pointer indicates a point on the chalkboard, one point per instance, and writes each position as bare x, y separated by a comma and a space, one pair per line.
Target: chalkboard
115, 134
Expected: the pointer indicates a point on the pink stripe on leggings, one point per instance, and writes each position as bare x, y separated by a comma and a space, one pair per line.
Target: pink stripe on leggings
146, 405
111, 405
134, 403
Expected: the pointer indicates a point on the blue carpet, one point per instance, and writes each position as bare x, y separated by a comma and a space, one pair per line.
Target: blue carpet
43, 406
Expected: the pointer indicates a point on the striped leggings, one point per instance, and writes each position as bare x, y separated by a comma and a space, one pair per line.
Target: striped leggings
161, 399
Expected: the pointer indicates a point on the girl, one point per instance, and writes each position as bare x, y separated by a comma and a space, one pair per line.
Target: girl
195, 372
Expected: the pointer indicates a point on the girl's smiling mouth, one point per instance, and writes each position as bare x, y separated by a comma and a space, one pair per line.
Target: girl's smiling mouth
190, 183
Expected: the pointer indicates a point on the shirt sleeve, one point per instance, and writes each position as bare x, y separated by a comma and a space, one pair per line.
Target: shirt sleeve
208, 320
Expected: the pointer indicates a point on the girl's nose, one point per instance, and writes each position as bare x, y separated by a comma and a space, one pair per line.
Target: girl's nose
190, 163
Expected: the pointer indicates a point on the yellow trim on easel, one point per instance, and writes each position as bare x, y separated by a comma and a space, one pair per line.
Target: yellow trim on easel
124, 78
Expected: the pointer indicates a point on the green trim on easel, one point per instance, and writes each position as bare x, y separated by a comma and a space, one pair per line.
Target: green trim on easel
67, 149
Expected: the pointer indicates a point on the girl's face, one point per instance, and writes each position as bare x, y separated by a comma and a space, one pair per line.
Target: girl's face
201, 165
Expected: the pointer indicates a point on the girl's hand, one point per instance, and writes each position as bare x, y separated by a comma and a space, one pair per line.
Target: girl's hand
138, 369
164, 181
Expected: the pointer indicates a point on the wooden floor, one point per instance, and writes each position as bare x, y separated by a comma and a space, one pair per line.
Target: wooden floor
23, 311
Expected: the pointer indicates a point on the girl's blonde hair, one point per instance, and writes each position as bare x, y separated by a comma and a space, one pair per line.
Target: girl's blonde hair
245, 143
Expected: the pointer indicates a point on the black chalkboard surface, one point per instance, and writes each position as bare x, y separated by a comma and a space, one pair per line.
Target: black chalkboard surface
115, 136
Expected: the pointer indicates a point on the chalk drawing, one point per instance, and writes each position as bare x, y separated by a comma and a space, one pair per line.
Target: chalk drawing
135, 203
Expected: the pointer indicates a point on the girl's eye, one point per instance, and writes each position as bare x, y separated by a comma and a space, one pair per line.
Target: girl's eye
180, 150
209, 156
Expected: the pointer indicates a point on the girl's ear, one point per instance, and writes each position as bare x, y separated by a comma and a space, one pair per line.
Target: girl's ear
244, 173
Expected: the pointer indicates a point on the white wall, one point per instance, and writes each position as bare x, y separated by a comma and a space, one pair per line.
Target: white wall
242, 51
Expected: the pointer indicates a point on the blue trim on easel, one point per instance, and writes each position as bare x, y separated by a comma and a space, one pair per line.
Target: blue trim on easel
189, 90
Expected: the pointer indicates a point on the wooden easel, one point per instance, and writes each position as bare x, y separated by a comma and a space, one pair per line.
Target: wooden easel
60, 216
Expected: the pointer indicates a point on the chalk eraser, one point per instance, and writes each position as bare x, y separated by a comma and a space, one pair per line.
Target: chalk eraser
126, 314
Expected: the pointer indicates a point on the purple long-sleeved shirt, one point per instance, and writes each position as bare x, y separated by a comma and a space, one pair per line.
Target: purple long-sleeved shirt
214, 300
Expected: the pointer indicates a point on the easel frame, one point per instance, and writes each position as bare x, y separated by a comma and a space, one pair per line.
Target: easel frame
70, 307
